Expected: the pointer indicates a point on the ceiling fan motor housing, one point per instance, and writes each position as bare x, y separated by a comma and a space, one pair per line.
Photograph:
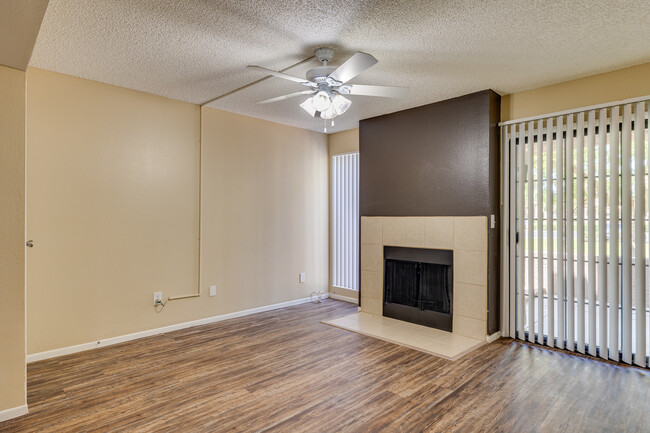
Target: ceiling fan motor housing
324, 54
319, 74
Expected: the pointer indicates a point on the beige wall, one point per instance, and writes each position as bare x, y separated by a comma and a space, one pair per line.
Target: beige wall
12, 238
340, 142
597, 89
112, 205
265, 210
20, 22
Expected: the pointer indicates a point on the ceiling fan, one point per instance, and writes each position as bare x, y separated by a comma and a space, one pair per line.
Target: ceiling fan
327, 85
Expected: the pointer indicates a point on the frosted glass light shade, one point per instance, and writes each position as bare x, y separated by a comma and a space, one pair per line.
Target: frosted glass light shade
341, 104
308, 106
330, 113
321, 101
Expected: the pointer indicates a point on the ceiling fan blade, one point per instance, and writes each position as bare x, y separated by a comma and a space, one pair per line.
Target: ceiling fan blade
280, 75
290, 95
355, 65
383, 91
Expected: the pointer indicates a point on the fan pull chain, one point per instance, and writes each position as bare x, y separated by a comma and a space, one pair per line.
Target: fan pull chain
325, 126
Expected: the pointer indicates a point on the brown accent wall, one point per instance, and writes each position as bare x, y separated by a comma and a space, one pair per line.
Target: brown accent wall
440, 159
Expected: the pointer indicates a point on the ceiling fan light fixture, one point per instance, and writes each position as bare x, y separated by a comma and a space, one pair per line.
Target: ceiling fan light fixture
308, 106
330, 113
340, 104
321, 101
328, 85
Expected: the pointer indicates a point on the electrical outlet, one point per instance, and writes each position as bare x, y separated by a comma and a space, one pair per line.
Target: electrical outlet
213, 290
157, 298
302, 277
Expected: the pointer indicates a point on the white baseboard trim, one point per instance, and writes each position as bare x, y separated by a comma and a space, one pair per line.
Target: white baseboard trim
128, 337
344, 298
14, 412
493, 337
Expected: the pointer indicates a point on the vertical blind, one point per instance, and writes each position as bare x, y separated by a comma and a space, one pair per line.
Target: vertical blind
345, 221
579, 231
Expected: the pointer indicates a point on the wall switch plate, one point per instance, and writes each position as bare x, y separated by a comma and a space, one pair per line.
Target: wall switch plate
157, 296
493, 221
213, 290
302, 277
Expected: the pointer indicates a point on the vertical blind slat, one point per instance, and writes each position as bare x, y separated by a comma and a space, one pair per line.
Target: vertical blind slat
646, 115
550, 251
357, 234
602, 233
580, 241
559, 130
626, 236
344, 232
335, 210
591, 229
530, 240
342, 222
506, 329
613, 285
521, 147
626, 239
570, 295
354, 241
342, 215
346, 238
639, 232
540, 232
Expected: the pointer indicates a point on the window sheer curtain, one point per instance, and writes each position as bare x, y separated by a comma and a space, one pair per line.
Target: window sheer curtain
576, 203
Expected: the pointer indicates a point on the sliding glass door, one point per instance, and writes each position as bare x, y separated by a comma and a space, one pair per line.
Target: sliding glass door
579, 231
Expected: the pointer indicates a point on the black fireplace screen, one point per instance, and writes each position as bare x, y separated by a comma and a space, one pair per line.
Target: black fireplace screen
418, 286
425, 286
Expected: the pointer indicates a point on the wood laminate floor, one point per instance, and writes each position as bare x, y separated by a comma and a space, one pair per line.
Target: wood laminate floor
285, 371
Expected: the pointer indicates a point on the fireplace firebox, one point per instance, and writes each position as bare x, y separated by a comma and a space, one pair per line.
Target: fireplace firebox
418, 286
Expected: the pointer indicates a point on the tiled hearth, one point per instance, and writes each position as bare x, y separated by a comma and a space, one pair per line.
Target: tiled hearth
465, 236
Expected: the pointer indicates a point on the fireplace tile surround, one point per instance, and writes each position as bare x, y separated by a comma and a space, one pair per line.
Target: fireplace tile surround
465, 236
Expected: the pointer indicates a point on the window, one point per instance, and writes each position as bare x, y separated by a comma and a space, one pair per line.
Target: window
345, 221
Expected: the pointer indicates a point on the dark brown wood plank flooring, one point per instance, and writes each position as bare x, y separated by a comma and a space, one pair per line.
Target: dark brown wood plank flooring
285, 371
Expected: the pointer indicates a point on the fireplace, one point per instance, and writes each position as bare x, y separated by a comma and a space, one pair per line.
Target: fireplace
418, 286
464, 242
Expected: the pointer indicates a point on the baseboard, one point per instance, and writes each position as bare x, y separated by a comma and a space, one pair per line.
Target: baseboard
493, 337
14, 412
344, 298
128, 337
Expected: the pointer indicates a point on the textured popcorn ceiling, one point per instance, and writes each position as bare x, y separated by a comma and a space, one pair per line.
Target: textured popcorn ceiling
197, 50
